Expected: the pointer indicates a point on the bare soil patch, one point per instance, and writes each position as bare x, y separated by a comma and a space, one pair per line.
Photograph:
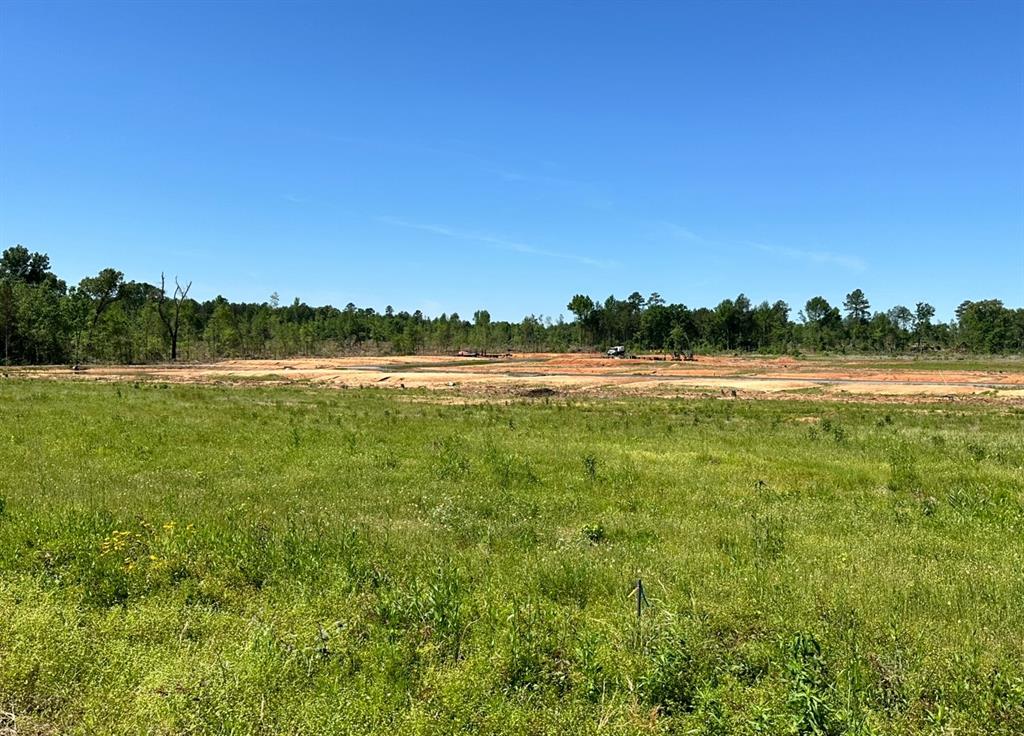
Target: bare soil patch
549, 374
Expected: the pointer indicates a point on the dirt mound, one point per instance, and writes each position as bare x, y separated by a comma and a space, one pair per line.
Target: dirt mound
537, 393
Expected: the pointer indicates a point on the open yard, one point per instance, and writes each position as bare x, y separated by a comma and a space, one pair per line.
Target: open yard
261, 559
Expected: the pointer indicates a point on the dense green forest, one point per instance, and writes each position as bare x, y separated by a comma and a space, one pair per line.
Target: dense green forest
105, 318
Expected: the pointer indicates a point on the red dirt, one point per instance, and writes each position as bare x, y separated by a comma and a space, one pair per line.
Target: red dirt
586, 375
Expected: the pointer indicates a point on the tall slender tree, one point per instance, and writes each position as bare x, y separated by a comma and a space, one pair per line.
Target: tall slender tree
858, 310
102, 291
923, 314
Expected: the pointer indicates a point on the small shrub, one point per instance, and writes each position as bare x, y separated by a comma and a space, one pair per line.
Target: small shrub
836, 430
594, 533
671, 678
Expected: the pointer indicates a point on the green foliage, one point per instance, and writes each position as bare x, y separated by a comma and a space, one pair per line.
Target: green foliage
106, 319
594, 533
672, 676
810, 687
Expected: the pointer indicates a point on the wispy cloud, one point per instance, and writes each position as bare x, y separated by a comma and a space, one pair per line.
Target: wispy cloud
486, 164
496, 242
850, 263
675, 231
529, 178
678, 232
590, 194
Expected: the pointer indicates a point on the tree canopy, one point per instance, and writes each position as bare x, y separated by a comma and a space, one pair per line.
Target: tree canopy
106, 318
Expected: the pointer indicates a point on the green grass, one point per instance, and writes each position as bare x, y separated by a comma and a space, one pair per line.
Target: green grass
274, 560
992, 363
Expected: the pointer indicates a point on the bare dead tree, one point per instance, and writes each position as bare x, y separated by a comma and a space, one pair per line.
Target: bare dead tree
170, 311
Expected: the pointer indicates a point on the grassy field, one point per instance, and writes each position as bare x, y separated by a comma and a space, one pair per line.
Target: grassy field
993, 364
276, 560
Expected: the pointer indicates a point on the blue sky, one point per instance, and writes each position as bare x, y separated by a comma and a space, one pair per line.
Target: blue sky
453, 156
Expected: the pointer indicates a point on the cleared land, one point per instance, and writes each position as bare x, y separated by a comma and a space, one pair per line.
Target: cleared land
588, 375
183, 558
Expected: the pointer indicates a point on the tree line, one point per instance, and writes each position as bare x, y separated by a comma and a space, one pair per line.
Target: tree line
106, 318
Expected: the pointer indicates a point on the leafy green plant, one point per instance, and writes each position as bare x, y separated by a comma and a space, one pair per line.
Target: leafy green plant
594, 533
810, 687
671, 677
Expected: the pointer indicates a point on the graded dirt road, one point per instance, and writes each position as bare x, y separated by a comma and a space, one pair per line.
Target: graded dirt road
536, 374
